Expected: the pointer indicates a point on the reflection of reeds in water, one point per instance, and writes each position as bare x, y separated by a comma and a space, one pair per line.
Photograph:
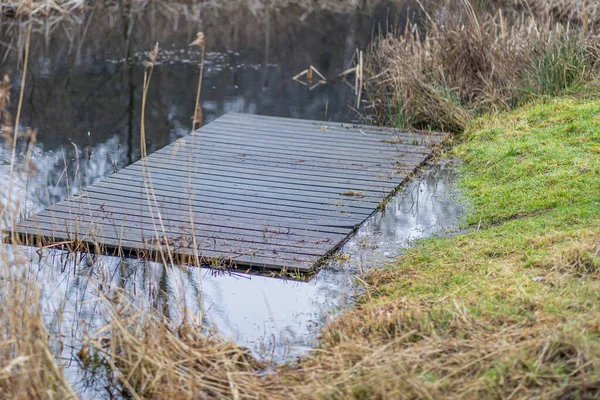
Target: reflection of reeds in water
116, 33
189, 9
159, 231
17, 120
40, 9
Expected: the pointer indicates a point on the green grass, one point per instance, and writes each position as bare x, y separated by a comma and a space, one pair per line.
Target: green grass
560, 66
512, 307
542, 157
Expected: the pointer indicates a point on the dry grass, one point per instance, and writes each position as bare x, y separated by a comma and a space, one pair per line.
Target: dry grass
585, 13
468, 60
579, 259
28, 368
151, 359
40, 9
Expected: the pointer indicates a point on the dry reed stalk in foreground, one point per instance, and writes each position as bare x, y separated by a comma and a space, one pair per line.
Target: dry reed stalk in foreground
160, 237
197, 119
28, 368
15, 135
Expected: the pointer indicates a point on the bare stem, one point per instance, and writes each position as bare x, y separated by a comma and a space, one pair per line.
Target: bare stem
18, 117
199, 89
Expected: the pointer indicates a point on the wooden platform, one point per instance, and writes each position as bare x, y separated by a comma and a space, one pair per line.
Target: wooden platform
245, 190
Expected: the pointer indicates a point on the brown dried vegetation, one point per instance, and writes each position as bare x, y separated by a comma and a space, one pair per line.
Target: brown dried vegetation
462, 60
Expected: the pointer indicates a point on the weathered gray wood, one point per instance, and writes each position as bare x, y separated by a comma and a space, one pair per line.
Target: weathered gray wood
202, 227
239, 220
281, 175
253, 120
213, 137
362, 172
206, 192
290, 182
258, 158
250, 191
148, 233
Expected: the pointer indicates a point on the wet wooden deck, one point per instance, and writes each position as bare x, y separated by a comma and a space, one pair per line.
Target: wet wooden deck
245, 191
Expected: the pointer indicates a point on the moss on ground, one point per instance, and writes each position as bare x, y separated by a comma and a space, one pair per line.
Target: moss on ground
511, 309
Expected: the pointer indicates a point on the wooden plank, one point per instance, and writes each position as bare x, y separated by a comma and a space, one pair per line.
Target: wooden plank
145, 250
239, 220
216, 136
389, 170
177, 198
179, 148
284, 237
325, 175
253, 120
148, 234
257, 227
265, 181
260, 218
261, 192
223, 148
197, 148
215, 183
365, 201
338, 144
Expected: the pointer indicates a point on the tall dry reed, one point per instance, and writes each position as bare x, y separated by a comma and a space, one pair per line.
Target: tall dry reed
28, 368
201, 44
463, 60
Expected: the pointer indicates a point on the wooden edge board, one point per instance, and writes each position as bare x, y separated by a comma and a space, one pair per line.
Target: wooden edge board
152, 253
175, 228
293, 122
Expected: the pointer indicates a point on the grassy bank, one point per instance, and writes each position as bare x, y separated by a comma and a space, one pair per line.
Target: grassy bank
509, 310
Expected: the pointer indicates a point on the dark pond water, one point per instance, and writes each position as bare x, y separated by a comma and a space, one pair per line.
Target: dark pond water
85, 78
84, 90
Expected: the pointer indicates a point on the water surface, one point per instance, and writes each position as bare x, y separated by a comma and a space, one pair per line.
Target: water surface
85, 76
